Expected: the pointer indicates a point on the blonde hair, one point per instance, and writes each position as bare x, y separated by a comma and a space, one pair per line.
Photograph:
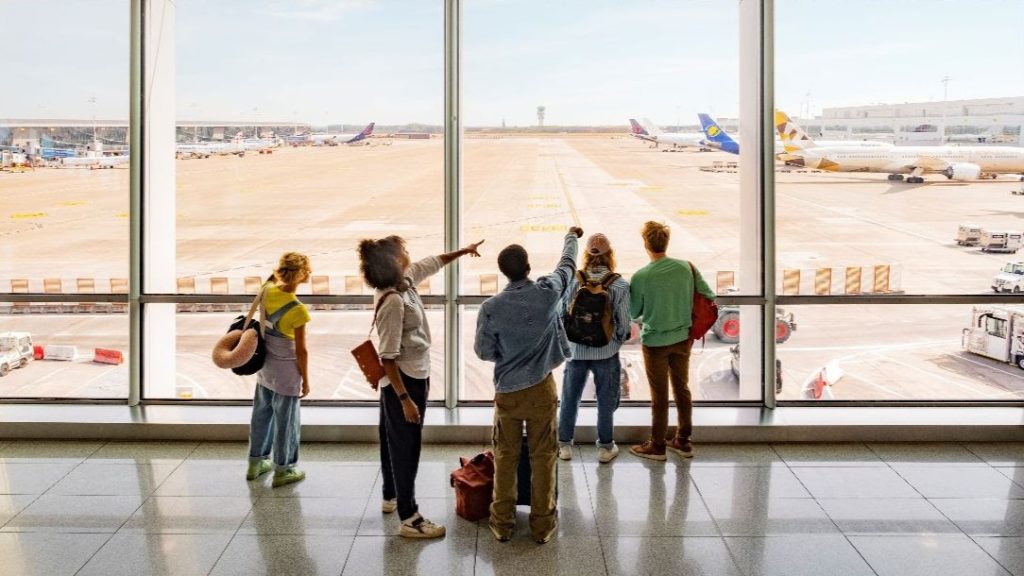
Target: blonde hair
292, 268
656, 236
607, 260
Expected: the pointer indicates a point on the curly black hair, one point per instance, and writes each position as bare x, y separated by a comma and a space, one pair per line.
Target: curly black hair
379, 262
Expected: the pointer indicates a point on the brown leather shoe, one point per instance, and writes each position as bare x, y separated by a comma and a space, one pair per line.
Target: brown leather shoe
649, 450
680, 446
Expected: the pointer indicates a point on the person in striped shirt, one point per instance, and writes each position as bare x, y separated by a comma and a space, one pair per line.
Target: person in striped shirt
598, 265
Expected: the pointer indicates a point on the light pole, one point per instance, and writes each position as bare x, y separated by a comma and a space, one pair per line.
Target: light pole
945, 96
92, 100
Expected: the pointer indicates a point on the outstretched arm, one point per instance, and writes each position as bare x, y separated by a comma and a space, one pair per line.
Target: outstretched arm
560, 279
431, 265
470, 250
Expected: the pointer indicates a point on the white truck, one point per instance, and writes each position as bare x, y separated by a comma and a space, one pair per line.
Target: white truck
15, 351
1000, 241
1010, 278
997, 332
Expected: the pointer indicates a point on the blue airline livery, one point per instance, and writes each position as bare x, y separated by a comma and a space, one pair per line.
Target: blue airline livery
715, 137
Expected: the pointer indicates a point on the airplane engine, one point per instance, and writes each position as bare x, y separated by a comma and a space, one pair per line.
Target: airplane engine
963, 171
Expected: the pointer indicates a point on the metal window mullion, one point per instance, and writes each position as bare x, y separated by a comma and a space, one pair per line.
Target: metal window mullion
136, 152
452, 187
766, 181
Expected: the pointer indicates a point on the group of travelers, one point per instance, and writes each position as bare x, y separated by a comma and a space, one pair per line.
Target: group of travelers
523, 331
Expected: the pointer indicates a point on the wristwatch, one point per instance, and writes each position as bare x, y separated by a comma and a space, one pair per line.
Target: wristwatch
403, 395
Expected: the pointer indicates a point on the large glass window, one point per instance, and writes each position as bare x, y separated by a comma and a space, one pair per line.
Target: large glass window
567, 124
306, 128
64, 194
905, 352
909, 189
548, 106
716, 373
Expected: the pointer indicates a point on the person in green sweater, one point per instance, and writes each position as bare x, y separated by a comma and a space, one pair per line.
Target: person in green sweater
661, 297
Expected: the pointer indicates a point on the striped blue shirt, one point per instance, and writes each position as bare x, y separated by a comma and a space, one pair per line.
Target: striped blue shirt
619, 291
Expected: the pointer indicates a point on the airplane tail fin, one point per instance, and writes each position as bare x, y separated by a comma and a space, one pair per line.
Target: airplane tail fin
652, 129
364, 134
713, 132
636, 128
792, 135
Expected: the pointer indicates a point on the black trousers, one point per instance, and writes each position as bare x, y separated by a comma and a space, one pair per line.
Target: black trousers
400, 443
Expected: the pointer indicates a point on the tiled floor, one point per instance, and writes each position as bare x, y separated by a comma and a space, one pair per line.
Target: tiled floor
184, 508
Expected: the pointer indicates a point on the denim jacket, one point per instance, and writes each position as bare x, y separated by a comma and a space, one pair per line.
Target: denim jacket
520, 329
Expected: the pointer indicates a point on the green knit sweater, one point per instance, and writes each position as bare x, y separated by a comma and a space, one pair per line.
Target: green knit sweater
661, 296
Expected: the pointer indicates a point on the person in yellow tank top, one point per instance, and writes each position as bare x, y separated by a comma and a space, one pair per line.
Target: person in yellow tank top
298, 316
284, 378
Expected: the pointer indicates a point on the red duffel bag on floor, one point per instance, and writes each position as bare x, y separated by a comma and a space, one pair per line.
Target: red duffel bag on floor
474, 486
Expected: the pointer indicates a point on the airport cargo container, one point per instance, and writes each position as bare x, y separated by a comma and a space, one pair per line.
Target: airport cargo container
1000, 241
968, 234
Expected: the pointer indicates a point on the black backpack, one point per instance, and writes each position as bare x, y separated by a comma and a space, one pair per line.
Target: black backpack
589, 318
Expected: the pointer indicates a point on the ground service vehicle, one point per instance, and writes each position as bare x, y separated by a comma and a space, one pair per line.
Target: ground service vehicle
997, 332
1010, 278
15, 351
727, 328
968, 234
1000, 241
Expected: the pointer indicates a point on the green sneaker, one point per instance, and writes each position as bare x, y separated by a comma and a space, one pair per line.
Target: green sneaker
258, 468
289, 476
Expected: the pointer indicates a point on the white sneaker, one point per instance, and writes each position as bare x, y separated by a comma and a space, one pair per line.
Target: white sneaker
389, 506
565, 451
605, 455
420, 527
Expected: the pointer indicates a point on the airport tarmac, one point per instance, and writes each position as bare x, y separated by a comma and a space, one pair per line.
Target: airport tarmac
236, 215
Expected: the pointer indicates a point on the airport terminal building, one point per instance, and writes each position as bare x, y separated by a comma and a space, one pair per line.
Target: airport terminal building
981, 121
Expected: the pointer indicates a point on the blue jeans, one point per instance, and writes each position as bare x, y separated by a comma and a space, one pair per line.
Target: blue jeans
275, 423
606, 381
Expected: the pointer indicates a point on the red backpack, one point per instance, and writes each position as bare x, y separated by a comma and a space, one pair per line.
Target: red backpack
474, 486
705, 311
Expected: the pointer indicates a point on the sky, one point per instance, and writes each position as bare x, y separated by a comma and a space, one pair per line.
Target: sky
589, 62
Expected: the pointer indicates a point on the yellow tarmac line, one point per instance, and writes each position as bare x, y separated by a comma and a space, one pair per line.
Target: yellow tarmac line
74, 203
28, 215
542, 228
568, 197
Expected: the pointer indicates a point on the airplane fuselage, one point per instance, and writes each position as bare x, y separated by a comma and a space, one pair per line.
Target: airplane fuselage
904, 159
679, 139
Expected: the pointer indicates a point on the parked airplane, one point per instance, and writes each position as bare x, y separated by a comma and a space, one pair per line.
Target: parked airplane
646, 130
93, 162
330, 139
237, 146
954, 162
